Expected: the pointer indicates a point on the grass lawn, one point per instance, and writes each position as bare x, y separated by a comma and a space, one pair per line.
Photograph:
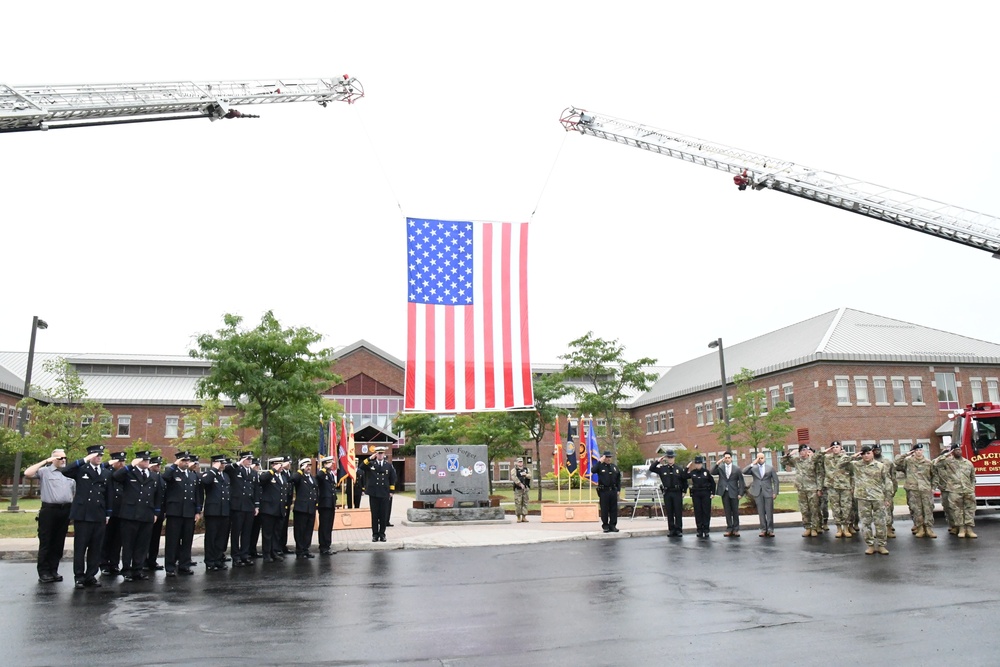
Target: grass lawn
19, 524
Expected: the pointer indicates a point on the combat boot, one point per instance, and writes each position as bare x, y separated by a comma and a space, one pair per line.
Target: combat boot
953, 530
840, 531
961, 532
883, 551
920, 532
969, 533
847, 532
806, 533
813, 533
870, 551
891, 532
928, 532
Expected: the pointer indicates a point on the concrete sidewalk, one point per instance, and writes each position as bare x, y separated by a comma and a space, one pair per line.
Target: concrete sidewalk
406, 535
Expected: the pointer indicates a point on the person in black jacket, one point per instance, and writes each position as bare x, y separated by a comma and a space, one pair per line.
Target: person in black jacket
289, 489
609, 484
702, 492
157, 532
90, 511
217, 507
182, 505
243, 507
272, 508
111, 548
140, 503
380, 484
326, 503
306, 494
674, 483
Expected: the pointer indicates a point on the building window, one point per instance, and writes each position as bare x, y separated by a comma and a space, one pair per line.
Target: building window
663, 421
171, 431
849, 446
649, 425
775, 397
898, 394
886, 446
225, 422
3, 414
708, 414
916, 391
670, 420
991, 389
106, 426
947, 391
976, 385
656, 422
124, 425
789, 395
190, 428
701, 415
861, 390
718, 411
881, 396
905, 446
843, 393
504, 471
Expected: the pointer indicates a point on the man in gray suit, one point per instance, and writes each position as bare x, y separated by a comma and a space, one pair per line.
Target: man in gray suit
764, 489
731, 488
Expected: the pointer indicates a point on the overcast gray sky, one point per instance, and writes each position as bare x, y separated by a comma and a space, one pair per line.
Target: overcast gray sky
134, 239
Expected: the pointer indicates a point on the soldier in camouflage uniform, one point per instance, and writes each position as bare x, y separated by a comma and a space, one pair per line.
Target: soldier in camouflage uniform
890, 492
871, 479
958, 475
937, 482
838, 486
808, 476
521, 479
919, 490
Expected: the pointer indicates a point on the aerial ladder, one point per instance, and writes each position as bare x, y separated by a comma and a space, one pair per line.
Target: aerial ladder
25, 108
757, 172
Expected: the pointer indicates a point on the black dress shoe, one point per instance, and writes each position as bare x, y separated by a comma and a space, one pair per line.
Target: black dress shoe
46, 578
270, 559
57, 577
245, 563
109, 572
92, 582
227, 559
78, 584
389, 524
286, 550
210, 568
375, 539
327, 552
185, 570
140, 577
309, 555
278, 555
128, 577
381, 538
171, 573
221, 566
613, 530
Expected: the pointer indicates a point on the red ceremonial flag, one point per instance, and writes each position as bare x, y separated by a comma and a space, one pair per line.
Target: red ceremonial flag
583, 460
557, 451
467, 316
352, 463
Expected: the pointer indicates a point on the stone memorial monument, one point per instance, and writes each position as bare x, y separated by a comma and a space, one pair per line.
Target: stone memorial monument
452, 481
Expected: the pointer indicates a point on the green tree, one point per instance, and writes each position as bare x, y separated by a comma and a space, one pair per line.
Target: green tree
210, 435
424, 428
547, 388
503, 433
605, 375
267, 367
751, 423
629, 453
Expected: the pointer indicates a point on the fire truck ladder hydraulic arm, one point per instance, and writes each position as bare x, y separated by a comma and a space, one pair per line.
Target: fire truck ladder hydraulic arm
48, 107
959, 225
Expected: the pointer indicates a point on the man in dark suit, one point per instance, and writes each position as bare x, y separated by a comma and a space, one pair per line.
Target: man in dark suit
730, 488
380, 484
90, 511
764, 489
304, 507
272, 508
243, 507
182, 505
215, 485
140, 503
157, 532
326, 503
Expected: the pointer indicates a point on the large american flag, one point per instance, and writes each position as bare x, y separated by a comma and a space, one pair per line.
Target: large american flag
467, 316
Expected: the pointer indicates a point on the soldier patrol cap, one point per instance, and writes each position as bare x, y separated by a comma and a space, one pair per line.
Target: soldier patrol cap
219, 458
670, 453
180, 456
866, 448
803, 447
142, 455
699, 459
835, 443
245, 455
118, 456
918, 446
305, 462
954, 446
877, 446
155, 460
95, 449
326, 459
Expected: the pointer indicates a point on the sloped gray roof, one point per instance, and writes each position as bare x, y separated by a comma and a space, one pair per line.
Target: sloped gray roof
839, 335
10, 382
347, 349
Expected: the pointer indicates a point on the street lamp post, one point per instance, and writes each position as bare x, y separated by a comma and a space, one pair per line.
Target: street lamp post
717, 343
22, 414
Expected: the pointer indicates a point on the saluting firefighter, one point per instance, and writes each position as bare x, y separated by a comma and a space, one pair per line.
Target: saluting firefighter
111, 548
157, 532
289, 489
272, 508
522, 484
182, 506
243, 507
326, 503
90, 511
702, 492
380, 484
218, 503
140, 504
304, 507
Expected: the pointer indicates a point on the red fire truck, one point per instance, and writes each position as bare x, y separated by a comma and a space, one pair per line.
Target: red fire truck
976, 428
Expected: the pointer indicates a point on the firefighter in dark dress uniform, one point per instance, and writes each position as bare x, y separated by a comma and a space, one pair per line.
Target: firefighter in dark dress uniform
289, 490
674, 483
111, 548
157, 532
182, 505
90, 511
140, 503
243, 507
304, 507
702, 492
272, 508
380, 484
215, 484
326, 503
609, 484
255, 550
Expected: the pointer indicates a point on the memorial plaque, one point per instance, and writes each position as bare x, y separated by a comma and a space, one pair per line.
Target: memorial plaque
457, 471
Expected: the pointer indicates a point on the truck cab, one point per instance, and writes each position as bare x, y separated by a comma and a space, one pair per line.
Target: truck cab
976, 429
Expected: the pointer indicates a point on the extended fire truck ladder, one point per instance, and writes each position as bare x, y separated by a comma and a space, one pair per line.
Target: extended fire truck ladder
49, 107
977, 230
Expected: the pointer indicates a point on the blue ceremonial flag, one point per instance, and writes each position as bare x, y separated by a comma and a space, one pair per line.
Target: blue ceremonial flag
322, 439
593, 452
571, 456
